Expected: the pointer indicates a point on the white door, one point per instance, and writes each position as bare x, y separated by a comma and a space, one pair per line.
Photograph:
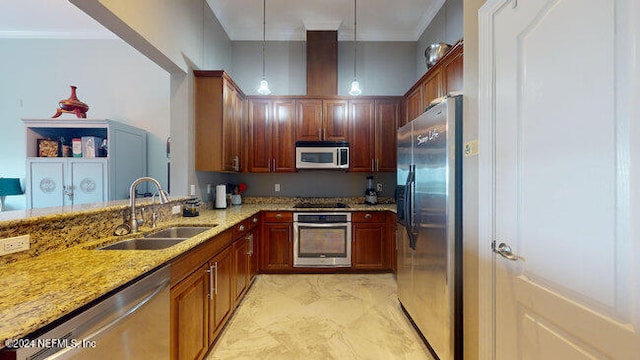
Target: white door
559, 134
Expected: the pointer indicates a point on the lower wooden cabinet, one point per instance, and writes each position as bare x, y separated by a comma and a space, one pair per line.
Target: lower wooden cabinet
242, 253
369, 240
189, 322
221, 298
277, 241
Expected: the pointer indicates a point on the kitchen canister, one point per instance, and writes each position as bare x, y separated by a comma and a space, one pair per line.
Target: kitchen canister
221, 197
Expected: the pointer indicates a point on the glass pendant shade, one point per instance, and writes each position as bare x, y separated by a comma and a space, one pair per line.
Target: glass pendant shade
264, 88
355, 88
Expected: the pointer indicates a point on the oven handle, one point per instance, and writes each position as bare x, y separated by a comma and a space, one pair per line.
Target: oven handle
322, 225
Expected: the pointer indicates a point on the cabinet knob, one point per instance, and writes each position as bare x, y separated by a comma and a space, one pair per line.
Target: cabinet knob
278, 216
254, 220
241, 228
368, 216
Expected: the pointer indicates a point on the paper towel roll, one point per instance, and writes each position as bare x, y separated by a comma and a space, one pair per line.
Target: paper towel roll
221, 197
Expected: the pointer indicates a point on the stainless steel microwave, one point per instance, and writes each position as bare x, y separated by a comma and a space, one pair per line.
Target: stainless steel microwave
322, 155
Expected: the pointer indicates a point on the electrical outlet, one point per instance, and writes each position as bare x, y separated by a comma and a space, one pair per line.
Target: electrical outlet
208, 188
175, 210
14, 244
277, 188
379, 187
193, 190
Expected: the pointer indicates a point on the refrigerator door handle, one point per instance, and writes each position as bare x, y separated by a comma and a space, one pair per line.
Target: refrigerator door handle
410, 207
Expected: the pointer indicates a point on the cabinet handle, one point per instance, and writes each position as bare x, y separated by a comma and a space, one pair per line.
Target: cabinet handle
269, 165
319, 133
325, 133
241, 228
68, 190
368, 216
377, 165
274, 166
215, 268
372, 169
255, 220
250, 238
210, 271
278, 216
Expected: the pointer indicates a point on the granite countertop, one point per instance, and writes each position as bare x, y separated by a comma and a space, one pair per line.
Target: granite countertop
40, 290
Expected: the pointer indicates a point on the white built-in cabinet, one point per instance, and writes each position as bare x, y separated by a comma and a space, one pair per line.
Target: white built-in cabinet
60, 181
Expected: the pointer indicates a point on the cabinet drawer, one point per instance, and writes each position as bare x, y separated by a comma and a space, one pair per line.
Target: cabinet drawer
368, 216
278, 216
243, 227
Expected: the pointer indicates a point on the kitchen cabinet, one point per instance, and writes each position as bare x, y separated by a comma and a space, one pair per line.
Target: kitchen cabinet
277, 241
272, 134
335, 120
372, 134
202, 297
189, 322
245, 256
221, 299
59, 181
65, 181
369, 240
219, 113
444, 77
322, 120
309, 126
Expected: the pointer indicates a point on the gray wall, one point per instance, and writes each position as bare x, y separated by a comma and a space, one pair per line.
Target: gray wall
115, 80
446, 26
383, 68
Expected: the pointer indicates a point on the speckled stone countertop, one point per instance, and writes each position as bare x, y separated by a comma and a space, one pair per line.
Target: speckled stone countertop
37, 291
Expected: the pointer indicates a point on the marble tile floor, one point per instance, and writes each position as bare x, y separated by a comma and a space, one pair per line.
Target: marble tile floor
345, 316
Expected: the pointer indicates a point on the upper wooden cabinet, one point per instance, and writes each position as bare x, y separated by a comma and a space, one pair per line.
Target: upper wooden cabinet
322, 120
219, 111
309, 120
372, 137
441, 79
272, 135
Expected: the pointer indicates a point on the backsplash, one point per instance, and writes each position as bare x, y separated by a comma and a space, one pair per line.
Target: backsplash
61, 231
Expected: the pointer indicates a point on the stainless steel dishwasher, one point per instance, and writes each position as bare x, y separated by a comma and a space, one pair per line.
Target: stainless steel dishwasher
130, 324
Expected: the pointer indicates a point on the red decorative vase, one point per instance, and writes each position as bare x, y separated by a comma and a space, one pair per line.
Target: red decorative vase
72, 105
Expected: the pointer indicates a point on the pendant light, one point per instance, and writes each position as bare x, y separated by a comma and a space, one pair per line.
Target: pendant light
263, 89
355, 85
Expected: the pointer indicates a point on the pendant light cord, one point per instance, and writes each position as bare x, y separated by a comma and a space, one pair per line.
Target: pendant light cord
355, 37
264, 37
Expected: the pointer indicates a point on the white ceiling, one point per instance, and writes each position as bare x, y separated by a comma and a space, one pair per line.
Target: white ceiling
287, 20
48, 19
377, 20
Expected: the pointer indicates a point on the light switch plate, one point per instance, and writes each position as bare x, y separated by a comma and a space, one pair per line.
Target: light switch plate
471, 148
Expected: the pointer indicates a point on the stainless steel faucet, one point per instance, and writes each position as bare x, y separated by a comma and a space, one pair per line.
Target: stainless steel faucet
132, 198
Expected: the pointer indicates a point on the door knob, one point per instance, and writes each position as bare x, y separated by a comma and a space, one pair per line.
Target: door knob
505, 251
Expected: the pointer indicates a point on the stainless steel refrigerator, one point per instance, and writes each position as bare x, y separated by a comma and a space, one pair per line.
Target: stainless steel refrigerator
429, 198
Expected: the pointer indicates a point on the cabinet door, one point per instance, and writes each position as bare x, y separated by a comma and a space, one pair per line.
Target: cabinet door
414, 104
387, 114
220, 301
309, 120
241, 249
46, 182
336, 120
88, 180
230, 128
361, 137
433, 87
453, 73
189, 307
369, 245
283, 146
277, 246
259, 136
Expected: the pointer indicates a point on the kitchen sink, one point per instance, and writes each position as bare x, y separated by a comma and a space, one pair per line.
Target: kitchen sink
159, 240
144, 244
178, 232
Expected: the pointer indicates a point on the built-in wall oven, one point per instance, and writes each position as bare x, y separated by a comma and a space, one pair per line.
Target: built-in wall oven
322, 239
